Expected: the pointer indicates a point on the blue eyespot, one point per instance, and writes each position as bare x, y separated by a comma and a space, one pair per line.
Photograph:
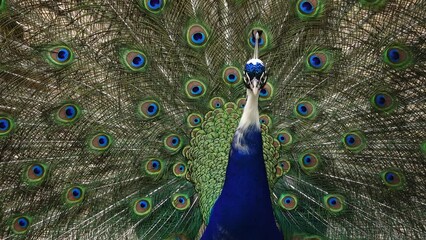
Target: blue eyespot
63, 55
302, 109
103, 141
281, 138
315, 61
288, 200
70, 112
23, 222
155, 4
390, 177
181, 200
380, 100
198, 38
152, 109
4, 124
181, 168
394, 55
175, 141
307, 160
332, 201
350, 139
155, 165
37, 170
263, 92
138, 61
231, 78
253, 41
76, 192
196, 90
143, 204
306, 7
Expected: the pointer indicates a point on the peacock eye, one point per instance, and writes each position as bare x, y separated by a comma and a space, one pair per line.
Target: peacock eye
173, 142
241, 103
154, 166
68, 114
397, 57
100, 142
305, 110
309, 162
284, 137
283, 167
231, 75
149, 109
136, 60
354, 141
60, 56
334, 203
195, 89
35, 174
266, 120
179, 169
180, 201
6, 125
288, 201
20, 225
216, 102
383, 102
142, 206
197, 35
194, 120
393, 179
154, 6
75, 195
263, 40
309, 9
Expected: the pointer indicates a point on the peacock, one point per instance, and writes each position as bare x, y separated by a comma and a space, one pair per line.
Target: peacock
204, 119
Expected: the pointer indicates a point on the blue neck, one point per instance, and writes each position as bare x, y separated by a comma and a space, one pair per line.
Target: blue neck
244, 209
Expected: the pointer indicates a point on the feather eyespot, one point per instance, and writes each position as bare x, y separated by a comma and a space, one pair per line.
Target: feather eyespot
288, 201
74, 195
68, 113
153, 166
309, 162
308, 9
266, 92
149, 109
285, 138
354, 141
195, 89
265, 119
282, 168
334, 203
197, 36
142, 206
216, 102
397, 57
231, 75
318, 61
173, 142
6, 125
35, 173
263, 40
20, 225
305, 110
181, 201
194, 120
60, 56
154, 6
133, 60
383, 101
179, 169
100, 142
393, 179
241, 103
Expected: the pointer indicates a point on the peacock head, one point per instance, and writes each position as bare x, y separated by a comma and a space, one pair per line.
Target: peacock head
254, 72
